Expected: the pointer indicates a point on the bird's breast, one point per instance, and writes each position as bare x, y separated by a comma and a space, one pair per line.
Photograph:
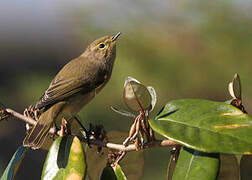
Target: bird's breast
76, 103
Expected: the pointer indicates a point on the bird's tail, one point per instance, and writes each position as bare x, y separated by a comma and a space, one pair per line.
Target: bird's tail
36, 137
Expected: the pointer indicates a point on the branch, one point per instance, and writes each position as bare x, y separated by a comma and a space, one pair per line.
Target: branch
120, 147
20, 116
132, 147
26, 119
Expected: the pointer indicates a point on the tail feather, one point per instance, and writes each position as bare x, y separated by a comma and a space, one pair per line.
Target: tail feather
36, 137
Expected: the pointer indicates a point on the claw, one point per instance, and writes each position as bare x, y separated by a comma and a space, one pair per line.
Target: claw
36, 114
26, 112
64, 128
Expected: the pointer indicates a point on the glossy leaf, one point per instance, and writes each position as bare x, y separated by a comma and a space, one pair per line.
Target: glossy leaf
65, 160
119, 173
14, 164
113, 173
108, 174
192, 165
206, 126
153, 97
135, 95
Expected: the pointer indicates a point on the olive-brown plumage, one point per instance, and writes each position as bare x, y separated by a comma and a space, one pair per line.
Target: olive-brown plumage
73, 87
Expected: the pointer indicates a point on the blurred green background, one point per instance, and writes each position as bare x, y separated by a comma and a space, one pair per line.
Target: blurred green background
184, 49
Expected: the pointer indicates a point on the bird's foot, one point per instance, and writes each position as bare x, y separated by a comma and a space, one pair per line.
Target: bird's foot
64, 128
30, 112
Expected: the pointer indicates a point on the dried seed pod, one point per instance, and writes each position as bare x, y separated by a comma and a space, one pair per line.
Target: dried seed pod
136, 96
132, 129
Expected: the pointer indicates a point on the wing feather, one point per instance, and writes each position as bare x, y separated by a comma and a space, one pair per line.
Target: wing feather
82, 79
60, 90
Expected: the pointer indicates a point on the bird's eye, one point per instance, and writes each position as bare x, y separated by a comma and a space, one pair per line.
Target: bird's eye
101, 46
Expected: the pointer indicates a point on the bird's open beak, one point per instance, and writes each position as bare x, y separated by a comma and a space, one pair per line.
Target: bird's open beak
115, 36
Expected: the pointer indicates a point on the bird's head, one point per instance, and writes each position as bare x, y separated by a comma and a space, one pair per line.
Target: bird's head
103, 49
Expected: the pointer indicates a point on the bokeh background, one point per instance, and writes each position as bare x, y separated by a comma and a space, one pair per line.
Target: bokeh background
184, 49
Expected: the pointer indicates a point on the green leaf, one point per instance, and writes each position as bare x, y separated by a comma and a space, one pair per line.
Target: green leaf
65, 160
113, 173
119, 173
12, 168
206, 126
153, 97
108, 174
192, 165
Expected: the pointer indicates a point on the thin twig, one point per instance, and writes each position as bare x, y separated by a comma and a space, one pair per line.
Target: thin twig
132, 147
119, 147
20, 116
26, 119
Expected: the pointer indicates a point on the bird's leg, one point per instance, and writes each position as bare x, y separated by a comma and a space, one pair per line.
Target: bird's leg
83, 131
54, 136
36, 114
63, 128
29, 112
26, 113
80, 124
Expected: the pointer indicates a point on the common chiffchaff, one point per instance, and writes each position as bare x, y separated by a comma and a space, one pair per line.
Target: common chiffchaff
73, 87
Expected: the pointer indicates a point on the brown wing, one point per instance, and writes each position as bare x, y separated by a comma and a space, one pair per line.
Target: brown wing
61, 89
75, 76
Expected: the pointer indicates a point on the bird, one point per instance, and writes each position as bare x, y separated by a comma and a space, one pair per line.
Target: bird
75, 85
